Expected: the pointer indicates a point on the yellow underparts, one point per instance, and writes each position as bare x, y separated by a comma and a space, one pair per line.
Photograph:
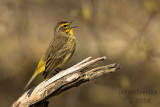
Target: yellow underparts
41, 66
70, 31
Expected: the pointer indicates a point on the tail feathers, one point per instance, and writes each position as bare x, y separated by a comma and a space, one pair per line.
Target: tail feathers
29, 82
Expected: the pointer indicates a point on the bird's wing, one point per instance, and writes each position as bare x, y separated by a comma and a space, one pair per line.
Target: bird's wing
56, 60
56, 54
49, 59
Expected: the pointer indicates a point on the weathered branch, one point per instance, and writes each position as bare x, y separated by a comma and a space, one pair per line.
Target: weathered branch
82, 72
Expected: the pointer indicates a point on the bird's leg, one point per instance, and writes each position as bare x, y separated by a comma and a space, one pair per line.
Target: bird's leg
58, 70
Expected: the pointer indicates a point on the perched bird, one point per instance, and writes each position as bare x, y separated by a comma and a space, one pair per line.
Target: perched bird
59, 51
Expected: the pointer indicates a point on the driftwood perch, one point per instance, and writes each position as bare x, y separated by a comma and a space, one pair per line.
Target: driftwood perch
72, 77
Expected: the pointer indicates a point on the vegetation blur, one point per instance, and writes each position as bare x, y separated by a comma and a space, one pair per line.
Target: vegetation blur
126, 31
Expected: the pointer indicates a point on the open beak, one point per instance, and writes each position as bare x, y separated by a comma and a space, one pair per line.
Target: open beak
71, 23
74, 26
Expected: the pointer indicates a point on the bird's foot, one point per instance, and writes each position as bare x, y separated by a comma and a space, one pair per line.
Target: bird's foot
58, 70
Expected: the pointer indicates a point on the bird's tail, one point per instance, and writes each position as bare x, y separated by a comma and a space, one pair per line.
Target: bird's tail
29, 82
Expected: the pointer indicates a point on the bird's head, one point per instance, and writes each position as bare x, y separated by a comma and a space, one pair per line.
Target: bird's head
64, 27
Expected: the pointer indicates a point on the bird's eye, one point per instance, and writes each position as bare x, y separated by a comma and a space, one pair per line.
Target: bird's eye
65, 26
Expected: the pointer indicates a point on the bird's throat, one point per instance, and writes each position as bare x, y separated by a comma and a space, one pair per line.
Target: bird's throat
70, 32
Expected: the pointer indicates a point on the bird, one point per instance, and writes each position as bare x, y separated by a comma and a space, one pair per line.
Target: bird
58, 53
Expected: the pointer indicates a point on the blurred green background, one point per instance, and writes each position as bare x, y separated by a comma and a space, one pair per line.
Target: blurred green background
126, 31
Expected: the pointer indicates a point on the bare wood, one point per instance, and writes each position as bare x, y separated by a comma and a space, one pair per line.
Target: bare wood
74, 76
